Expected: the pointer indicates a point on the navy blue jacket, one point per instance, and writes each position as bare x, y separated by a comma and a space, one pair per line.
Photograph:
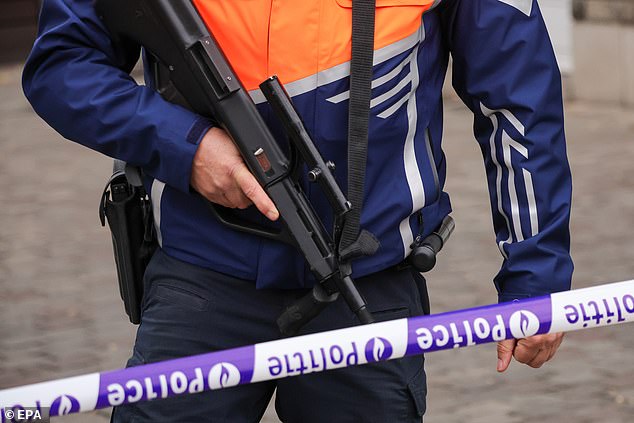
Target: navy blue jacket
504, 69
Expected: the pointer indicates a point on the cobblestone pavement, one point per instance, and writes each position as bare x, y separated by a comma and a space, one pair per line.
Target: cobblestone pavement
60, 314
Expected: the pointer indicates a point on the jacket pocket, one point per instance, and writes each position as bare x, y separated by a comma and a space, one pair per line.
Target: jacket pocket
181, 297
391, 313
418, 390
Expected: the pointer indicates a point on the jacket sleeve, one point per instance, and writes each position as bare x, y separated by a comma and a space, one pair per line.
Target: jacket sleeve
505, 71
77, 80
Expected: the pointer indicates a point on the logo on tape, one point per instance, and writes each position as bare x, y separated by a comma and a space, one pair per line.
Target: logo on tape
63, 405
523, 324
378, 349
223, 375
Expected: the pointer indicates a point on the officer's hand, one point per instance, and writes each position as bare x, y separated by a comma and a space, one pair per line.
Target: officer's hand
220, 175
533, 351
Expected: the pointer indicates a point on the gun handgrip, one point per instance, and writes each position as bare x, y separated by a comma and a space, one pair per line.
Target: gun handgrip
304, 310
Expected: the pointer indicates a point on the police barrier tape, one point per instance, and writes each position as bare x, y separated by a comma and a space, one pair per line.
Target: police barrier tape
563, 312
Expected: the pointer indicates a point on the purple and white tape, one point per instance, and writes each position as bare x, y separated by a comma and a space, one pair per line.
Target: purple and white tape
563, 312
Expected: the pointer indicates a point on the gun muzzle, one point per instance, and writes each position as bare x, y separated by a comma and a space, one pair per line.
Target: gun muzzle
304, 310
310, 305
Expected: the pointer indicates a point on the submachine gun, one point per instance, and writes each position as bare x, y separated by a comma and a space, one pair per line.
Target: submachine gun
188, 60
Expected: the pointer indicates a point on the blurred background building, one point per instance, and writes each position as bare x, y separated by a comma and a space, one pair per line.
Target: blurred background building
603, 33
18, 25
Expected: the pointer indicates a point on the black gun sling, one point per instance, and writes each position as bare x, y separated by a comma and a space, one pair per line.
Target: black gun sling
354, 244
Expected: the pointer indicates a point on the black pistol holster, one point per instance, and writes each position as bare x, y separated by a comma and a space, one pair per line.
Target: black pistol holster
127, 208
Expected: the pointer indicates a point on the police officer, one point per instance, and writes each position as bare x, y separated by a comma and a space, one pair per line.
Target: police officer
210, 288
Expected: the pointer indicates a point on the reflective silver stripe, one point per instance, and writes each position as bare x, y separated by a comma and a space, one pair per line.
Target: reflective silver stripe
436, 3
411, 59
515, 208
391, 93
257, 96
394, 107
412, 172
498, 180
376, 83
509, 143
390, 75
157, 195
508, 115
532, 204
341, 71
336, 99
524, 6
514, 121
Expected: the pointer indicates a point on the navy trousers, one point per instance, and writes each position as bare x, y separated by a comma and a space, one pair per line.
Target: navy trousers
191, 310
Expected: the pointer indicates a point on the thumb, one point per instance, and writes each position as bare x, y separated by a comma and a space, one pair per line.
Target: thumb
505, 353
